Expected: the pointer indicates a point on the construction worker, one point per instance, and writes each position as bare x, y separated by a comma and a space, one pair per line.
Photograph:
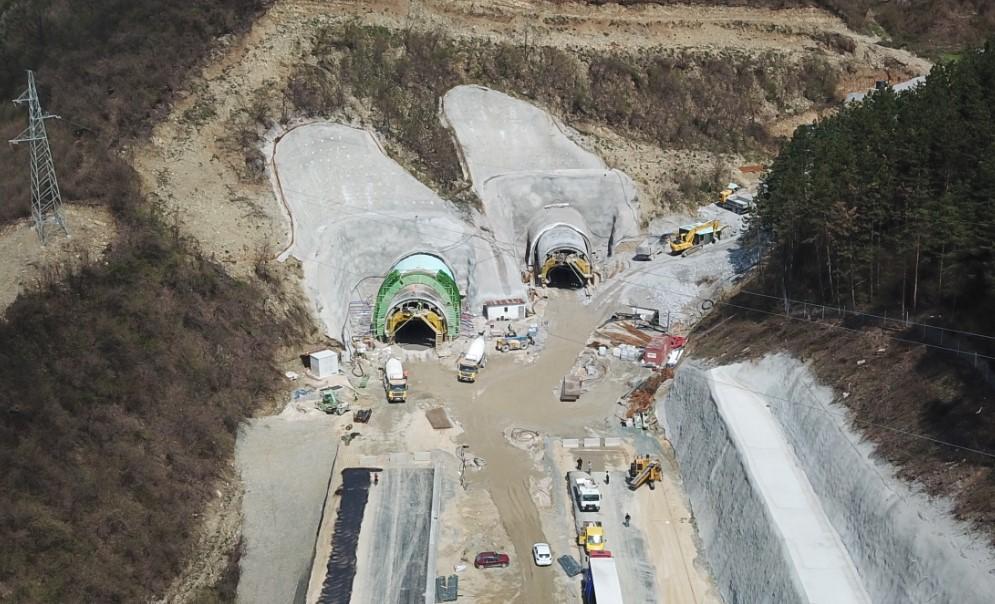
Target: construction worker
628, 518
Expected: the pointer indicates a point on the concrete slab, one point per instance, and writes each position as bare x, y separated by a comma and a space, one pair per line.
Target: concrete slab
394, 544
821, 563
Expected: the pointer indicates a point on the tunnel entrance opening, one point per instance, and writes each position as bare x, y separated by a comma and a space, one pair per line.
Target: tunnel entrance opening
417, 332
564, 276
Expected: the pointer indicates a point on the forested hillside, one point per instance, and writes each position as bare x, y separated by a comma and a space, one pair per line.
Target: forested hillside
888, 205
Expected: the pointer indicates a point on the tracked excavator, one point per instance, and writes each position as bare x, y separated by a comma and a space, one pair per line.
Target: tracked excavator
689, 238
644, 470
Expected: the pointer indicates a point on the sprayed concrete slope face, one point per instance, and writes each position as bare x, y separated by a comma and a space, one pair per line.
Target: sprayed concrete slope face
757, 444
908, 547
822, 567
356, 212
765, 532
520, 160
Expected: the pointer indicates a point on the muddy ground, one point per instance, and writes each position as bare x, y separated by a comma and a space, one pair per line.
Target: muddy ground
513, 491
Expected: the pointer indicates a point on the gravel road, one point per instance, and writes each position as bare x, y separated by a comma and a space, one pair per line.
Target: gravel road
285, 465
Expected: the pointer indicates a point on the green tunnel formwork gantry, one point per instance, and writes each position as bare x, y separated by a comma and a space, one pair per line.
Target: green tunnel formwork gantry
420, 287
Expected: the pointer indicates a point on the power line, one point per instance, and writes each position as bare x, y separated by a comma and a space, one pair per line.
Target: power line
866, 314
46, 199
787, 316
510, 248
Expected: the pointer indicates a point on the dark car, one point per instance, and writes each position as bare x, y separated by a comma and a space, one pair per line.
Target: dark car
491, 559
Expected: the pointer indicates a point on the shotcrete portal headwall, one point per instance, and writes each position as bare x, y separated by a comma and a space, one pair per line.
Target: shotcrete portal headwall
559, 240
355, 212
421, 287
904, 546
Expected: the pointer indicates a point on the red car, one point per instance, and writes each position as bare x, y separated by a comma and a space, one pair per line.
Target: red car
491, 559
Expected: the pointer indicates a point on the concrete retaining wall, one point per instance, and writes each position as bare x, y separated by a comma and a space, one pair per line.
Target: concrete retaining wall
744, 551
907, 548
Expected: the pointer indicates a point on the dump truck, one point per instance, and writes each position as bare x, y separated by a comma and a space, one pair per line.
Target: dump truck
644, 470
591, 536
395, 381
738, 203
601, 584
691, 237
471, 361
586, 493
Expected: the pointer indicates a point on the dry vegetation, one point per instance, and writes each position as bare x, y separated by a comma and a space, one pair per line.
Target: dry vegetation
930, 27
711, 101
109, 68
898, 391
122, 383
123, 387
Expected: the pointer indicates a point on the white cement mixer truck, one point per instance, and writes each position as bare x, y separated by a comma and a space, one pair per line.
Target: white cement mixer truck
395, 381
471, 361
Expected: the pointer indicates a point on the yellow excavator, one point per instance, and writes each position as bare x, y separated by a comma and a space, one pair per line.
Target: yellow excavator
644, 469
727, 192
692, 236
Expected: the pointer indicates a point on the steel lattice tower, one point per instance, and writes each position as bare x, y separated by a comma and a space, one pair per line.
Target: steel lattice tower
46, 200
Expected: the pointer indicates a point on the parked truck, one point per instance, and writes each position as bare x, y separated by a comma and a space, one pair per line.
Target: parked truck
586, 493
395, 381
601, 584
591, 536
471, 361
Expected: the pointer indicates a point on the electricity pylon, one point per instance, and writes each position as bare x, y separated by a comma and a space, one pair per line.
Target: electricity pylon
46, 200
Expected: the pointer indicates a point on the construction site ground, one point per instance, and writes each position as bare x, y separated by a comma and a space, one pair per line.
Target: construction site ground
509, 422
507, 504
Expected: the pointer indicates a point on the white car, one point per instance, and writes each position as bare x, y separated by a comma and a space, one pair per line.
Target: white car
542, 554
